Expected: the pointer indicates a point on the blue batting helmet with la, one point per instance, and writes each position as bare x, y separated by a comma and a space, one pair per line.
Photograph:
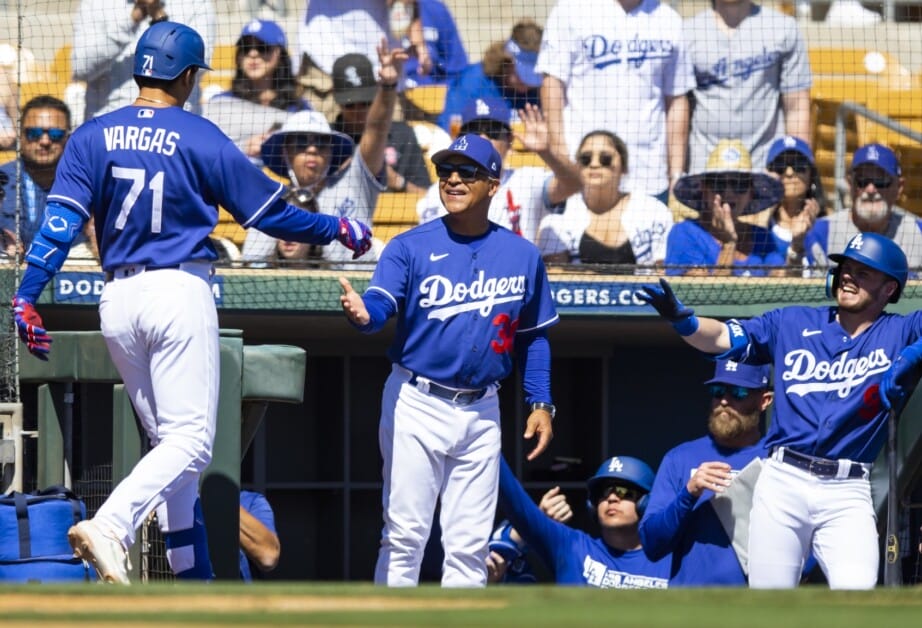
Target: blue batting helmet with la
629, 470
877, 252
166, 49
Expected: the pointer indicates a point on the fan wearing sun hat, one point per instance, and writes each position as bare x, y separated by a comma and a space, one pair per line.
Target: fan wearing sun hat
717, 241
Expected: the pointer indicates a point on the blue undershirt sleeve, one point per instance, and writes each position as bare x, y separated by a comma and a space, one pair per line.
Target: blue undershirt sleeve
660, 530
287, 222
534, 355
379, 307
33, 282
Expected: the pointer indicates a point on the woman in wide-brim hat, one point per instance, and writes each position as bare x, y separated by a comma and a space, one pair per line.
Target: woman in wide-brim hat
717, 242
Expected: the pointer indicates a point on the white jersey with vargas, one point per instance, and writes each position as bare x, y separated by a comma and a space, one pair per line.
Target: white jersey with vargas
827, 399
461, 301
153, 180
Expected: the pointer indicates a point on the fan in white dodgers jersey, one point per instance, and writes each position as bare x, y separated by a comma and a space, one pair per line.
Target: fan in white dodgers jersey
838, 370
466, 293
152, 177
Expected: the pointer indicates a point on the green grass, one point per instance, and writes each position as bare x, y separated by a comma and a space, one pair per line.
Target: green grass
300, 604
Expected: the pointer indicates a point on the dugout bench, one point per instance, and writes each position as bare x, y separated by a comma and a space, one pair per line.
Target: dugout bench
251, 377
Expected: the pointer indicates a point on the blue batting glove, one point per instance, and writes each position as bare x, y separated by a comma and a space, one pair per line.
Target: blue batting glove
501, 542
664, 301
355, 236
902, 377
31, 328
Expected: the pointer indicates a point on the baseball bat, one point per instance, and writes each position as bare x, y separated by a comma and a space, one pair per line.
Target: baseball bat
893, 573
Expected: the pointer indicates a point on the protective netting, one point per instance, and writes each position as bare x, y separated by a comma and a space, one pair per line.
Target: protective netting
784, 69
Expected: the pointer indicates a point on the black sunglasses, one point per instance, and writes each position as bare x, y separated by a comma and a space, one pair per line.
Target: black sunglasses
881, 183
467, 172
800, 166
620, 491
35, 133
719, 391
605, 159
740, 184
262, 48
300, 143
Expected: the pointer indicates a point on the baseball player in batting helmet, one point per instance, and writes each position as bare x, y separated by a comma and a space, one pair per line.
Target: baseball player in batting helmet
838, 370
617, 497
152, 175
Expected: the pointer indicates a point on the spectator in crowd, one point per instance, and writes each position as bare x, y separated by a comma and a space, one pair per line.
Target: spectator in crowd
618, 493
106, 33
791, 161
620, 66
46, 125
295, 255
875, 182
9, 107
354, 88
525, 194
680, 519
747, 59
604, 225
427, 31
263, 91
259, 542
506, 72
331, 29
718, 242
324, 169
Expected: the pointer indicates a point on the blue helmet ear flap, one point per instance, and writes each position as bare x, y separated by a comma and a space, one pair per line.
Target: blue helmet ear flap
832, 282
642, 504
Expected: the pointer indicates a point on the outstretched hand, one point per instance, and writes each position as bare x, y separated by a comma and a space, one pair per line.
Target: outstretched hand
352, 304
31, 329
391, 63
536, 137
664, 301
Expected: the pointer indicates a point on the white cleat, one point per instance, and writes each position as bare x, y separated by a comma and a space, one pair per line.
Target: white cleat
104, 552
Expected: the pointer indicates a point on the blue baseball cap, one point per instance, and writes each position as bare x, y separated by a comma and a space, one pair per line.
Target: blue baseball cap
878, 155
475, 148
789, 143
525, 61
488, 108
266, 31
740, 374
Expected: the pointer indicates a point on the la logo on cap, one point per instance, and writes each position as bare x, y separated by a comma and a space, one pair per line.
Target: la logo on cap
873, 154
460, 144
483, 109
856, 243
790, 142
730, 366
615, 465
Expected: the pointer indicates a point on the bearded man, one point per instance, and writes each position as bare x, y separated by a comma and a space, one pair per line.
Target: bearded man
679, 518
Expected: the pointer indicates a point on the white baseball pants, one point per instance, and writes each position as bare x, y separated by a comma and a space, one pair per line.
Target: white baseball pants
434, 448
161, 328
794, 512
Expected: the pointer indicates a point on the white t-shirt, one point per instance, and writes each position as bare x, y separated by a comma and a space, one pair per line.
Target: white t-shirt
646, 221
334, 28
618, 69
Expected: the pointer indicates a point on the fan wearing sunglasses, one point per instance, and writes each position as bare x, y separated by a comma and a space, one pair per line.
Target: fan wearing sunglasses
617, 496
46, 123
718, 242
875, 183
791, 161
263, 91
680, 520
603, 224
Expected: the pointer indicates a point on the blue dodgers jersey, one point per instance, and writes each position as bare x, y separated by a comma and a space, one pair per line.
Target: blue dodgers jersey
461, 301
827, 399
687, 527
576, 557
153, 180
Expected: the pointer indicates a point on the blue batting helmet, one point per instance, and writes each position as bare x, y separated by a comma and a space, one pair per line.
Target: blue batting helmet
877, 252
166, 49
633, 471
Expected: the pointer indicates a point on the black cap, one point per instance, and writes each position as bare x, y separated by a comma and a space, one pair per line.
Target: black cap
354, 80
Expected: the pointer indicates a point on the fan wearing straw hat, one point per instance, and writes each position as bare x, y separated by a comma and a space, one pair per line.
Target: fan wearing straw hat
718, 242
